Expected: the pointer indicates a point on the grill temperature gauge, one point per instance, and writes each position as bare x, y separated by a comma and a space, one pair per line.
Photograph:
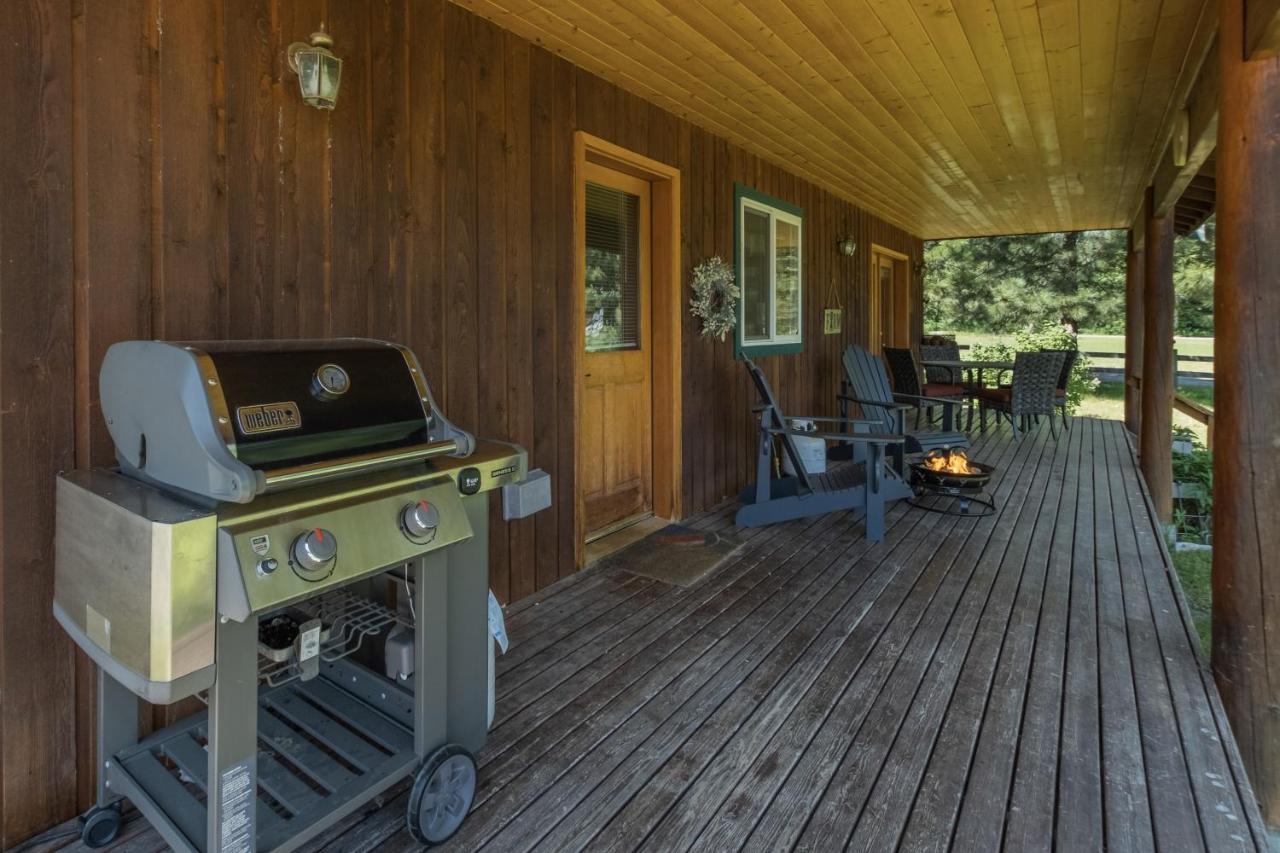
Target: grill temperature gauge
419, 521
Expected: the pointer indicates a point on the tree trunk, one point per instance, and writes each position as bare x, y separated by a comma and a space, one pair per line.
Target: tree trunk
1156, 427
1246, 464
1133, 324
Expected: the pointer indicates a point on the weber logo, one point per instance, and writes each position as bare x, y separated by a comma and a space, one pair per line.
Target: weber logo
269, 417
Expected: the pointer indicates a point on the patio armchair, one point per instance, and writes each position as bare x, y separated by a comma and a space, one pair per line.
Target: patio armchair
922, 396
1032, 394
1071, 356
949, 350
863, 486
866, 385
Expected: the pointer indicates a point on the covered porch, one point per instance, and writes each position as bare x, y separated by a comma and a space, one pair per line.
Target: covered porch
1026, 681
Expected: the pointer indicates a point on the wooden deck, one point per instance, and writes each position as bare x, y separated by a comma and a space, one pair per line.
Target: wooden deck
1027, 681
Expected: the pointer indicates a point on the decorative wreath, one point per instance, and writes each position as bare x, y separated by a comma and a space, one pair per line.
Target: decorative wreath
715, 297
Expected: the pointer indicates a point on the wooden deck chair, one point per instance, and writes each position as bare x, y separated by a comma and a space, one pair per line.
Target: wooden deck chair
864, 486
866, 383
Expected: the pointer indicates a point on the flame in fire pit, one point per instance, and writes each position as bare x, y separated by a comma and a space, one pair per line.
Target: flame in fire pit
950, 462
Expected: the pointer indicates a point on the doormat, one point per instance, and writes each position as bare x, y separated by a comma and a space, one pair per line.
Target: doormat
676, 554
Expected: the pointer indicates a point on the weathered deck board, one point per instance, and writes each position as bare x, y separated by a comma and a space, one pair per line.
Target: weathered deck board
1028, 681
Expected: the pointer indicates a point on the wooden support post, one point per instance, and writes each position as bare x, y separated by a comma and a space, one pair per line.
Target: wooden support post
1133, 336
1246, 463
1155, 446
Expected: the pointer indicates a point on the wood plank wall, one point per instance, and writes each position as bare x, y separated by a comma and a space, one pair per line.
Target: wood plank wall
162, 179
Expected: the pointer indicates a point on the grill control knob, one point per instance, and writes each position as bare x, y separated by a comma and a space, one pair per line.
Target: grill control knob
419, 521
314, 552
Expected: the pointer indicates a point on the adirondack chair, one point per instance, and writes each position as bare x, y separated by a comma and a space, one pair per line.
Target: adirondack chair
866, 383
864, 486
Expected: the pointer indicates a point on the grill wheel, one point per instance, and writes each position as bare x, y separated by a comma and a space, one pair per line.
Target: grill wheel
442, 794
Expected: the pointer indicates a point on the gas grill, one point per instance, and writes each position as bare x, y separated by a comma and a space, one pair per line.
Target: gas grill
298, 537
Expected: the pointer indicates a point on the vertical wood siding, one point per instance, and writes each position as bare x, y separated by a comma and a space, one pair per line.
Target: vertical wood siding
163, 179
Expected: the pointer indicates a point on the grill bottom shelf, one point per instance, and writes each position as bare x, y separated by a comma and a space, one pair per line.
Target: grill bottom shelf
322, 745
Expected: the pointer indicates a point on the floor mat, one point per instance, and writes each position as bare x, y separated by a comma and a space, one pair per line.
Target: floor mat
676, 554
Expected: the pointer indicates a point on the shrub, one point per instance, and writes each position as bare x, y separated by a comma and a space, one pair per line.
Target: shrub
1049, 335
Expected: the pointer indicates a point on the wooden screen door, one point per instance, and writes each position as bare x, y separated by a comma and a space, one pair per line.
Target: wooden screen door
616, 426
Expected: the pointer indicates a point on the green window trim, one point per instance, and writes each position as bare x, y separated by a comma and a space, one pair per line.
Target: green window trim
742, 193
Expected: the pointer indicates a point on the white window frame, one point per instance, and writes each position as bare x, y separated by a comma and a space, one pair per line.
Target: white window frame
776, 215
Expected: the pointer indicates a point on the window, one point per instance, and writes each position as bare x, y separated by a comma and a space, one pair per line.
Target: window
768, 238
613, 269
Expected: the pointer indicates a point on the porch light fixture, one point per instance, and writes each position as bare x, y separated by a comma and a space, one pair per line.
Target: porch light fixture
319, 71
847, 246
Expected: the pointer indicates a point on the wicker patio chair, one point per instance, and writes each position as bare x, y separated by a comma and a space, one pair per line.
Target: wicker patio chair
1032, 394
905, 374
946, 349
1071, 356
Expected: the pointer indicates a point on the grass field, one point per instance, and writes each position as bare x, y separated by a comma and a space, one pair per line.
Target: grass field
1109, 343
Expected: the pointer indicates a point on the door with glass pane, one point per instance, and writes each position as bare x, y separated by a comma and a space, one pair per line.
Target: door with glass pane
890, 301
616, 425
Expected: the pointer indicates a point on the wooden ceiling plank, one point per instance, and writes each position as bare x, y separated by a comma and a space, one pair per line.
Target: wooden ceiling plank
1023, 189
1020, 23
914, 42
982, 27
731, 129
1261, 28
1183, 37
945, 117
788, 25
1171, 180
776, 66
875, 191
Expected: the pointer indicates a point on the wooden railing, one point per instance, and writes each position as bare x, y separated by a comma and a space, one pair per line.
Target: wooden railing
1196, 412
1119, 356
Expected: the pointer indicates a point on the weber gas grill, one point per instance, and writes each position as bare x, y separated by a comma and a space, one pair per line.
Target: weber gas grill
298, 537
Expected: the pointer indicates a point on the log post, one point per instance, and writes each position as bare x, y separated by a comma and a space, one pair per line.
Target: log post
1155, 445
1246, 463
1133, 336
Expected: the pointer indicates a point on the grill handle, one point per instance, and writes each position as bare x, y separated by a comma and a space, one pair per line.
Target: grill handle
278, 479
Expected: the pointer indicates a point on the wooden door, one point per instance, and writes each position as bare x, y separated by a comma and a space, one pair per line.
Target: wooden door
616, 400
890, 301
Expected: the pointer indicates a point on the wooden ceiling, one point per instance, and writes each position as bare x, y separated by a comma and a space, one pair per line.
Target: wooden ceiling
948, 118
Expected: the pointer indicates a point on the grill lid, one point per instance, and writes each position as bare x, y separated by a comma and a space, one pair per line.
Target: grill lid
228, 420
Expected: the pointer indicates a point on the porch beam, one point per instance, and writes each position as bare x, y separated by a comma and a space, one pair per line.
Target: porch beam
1194, 138
1133, 336
1155, 445
1246, 464
1262, 28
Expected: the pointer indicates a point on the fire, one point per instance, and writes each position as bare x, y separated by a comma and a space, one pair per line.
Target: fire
953, 462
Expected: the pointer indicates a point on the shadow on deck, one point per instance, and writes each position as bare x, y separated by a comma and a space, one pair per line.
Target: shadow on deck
1029, 680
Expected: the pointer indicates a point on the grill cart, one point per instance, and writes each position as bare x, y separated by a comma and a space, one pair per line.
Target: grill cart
281, 509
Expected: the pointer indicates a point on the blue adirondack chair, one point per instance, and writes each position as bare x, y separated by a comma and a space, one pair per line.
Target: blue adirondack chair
863, 486
866, 383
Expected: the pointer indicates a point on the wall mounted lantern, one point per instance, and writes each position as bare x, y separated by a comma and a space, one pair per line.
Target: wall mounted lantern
319, 71
847, 246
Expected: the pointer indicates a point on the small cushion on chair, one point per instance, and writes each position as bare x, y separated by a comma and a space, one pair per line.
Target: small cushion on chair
1060, 393
939, 389
996, 395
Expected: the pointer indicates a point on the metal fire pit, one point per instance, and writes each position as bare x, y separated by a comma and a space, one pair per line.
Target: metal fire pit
951, 493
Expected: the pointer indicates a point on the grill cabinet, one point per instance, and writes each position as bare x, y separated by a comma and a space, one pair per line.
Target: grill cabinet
279, 510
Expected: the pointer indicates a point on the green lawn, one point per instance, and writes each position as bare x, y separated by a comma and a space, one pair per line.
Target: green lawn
1109, 343
1194, 569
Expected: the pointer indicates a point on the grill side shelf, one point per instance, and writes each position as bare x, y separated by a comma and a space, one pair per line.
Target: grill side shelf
319, 747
